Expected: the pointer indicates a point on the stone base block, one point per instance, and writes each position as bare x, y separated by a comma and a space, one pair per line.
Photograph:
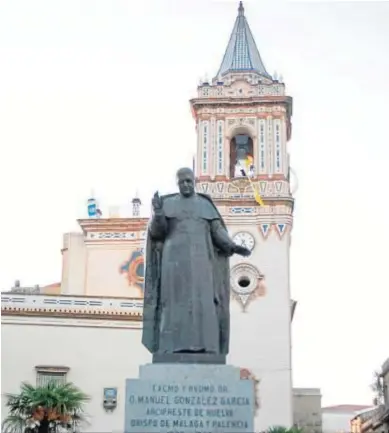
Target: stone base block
191, 398
188, 358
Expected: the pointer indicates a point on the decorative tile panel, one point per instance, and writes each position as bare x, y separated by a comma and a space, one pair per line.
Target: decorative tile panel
110, 236
241, 188
242, 210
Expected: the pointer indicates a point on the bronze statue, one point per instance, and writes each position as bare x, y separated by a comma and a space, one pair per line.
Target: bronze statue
187, 278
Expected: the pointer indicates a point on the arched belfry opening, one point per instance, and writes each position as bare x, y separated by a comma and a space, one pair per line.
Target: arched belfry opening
241, 147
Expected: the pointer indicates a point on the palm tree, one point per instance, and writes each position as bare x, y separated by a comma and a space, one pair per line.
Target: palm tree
280, 429
44, 409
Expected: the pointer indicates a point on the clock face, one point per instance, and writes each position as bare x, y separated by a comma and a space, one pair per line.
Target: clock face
244, 239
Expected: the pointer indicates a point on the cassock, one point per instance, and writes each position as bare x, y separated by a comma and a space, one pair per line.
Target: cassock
187, 287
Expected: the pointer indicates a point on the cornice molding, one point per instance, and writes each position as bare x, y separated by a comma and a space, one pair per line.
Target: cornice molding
113, 224
20, 315
48, 320
77, 307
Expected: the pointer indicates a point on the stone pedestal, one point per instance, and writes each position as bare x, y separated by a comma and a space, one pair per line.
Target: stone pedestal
189, 398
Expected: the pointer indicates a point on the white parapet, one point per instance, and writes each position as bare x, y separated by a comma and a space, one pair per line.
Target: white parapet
12, 303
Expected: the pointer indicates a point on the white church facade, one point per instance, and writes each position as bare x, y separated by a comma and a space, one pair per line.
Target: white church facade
87, 328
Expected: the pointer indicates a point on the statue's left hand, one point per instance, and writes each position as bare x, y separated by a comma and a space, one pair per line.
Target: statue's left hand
242, 251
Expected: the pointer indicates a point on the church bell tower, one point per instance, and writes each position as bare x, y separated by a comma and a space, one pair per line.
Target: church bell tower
243, 114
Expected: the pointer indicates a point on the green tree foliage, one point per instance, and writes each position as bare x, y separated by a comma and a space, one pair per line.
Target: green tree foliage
378, 389
44, 409
280, 429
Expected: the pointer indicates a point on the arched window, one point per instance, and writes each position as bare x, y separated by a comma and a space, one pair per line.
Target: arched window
241, 147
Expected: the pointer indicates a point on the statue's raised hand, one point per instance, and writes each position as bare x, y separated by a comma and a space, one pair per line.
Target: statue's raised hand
242, 251
156, 202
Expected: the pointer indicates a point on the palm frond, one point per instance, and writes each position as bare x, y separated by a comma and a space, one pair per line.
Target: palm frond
281, 429
13, 424
295, 430
52, 399
277, 429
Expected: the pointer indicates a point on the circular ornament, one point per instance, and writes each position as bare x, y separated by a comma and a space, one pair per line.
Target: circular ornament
244, 279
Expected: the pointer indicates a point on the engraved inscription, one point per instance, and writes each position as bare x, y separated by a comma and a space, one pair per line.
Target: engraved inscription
184, 408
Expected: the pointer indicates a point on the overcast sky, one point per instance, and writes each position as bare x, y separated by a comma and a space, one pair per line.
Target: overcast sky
94, 94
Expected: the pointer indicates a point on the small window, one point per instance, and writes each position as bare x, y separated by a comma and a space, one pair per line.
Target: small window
45, 375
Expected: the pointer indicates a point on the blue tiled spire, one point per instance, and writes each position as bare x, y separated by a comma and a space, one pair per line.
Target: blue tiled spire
242, 53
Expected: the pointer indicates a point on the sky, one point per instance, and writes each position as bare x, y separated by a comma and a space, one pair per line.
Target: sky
94, 95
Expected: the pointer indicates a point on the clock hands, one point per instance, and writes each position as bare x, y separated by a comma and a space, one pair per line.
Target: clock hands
245, 240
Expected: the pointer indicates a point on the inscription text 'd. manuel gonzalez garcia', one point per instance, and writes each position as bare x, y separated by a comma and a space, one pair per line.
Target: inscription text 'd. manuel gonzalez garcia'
174, 408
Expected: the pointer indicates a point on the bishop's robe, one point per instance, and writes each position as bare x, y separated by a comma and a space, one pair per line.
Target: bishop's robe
187, 295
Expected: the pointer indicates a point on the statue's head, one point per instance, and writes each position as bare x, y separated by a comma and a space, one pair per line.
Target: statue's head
186, 182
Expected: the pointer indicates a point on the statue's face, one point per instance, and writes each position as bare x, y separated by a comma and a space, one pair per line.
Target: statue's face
186, 184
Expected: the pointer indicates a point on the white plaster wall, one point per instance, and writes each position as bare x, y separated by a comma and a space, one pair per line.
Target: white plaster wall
103, 276
261, 337
94, 269
73, 264
103, 357
97, 358
337, 422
